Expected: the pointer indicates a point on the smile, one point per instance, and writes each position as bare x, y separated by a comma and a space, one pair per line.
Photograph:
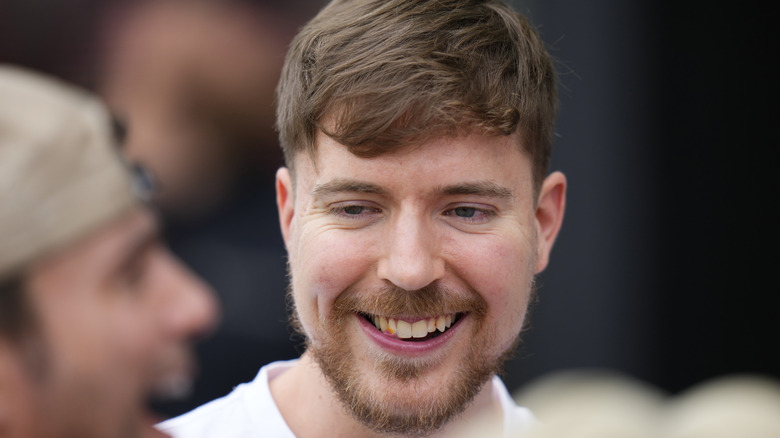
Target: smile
420, 329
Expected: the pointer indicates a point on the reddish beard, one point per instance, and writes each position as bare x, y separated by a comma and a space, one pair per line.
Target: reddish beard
422, 417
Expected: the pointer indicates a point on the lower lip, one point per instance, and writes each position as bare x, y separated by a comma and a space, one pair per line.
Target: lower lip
410, 348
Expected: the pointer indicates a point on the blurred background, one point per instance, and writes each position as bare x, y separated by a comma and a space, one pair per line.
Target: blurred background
665, 268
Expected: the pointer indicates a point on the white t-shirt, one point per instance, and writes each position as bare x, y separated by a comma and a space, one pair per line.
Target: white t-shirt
249, 411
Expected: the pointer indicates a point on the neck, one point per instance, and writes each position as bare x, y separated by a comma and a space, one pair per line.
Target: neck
309, 406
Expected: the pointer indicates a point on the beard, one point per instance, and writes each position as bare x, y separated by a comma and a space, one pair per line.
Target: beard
396, 408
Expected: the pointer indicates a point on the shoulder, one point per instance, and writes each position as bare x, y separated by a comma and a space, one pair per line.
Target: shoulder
227, 416
249, 410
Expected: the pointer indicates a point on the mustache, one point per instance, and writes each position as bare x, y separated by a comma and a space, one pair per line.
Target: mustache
390, 300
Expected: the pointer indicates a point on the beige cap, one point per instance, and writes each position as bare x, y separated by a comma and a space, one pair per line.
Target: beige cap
60, 170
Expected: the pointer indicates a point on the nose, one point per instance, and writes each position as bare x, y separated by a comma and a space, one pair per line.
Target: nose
192, 309
411, 258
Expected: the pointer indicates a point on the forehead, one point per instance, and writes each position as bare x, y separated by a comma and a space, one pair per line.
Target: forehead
441, 161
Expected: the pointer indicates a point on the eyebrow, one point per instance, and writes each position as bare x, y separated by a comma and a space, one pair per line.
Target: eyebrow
485, 189
346, 186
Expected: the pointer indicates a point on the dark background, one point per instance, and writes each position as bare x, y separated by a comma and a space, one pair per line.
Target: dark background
665, 267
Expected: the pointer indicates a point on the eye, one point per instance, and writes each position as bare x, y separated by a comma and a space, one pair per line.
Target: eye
138, 270
354, 211
470, 214
132, 273
465, 211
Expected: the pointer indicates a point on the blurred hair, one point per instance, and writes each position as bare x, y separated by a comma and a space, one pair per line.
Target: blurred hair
376, 75
15, 314
20, 327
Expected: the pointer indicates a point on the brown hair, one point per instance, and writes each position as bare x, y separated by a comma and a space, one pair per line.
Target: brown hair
16, 317
20, 327
379, 74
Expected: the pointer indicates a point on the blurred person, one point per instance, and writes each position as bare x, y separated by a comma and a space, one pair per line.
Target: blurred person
591, 403
195, 81
96, 316
416, 208
606, 404
734, 405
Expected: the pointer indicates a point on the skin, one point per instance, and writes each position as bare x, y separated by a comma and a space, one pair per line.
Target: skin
458, 214
115, 315
16, 397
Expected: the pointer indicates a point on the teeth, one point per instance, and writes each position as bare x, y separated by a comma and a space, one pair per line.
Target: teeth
404, 329
173, 387
417, 329
420, 329
441, 324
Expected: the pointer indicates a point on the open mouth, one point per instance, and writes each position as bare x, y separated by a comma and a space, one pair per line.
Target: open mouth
420, 329
167, 392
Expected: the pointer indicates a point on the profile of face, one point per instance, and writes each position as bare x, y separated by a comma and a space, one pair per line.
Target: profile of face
114, 316
412, 271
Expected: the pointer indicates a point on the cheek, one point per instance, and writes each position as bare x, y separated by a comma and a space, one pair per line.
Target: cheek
137, 331
326, 263
501, 271
121, 343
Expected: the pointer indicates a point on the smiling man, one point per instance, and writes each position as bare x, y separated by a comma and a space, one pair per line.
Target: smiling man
96, 316
416, 208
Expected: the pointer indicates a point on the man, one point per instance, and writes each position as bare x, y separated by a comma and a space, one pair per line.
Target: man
95, 314
416, 210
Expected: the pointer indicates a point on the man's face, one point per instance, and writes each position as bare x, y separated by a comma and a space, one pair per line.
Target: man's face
115, 312
412, 271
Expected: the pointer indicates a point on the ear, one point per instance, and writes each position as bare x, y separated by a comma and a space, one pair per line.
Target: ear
285, 201
549, 216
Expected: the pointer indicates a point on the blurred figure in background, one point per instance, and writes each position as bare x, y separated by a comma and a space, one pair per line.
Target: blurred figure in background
607, 404
195, 80
95, 314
